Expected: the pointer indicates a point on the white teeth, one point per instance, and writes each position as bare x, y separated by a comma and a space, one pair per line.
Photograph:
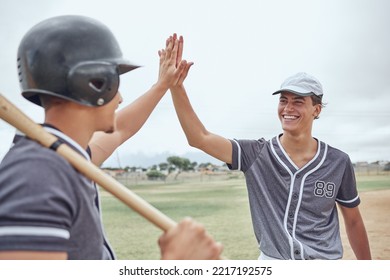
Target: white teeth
290, 117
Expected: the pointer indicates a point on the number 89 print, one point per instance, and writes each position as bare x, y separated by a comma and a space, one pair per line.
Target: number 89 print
322, 189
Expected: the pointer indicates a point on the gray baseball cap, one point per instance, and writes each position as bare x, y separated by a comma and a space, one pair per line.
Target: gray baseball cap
301, 84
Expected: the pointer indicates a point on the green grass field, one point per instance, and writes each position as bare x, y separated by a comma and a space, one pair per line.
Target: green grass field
221, 205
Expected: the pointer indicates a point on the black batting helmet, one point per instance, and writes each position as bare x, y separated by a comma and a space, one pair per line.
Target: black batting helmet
72, 57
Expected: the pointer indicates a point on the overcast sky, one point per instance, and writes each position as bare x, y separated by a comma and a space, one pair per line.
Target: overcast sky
242, 50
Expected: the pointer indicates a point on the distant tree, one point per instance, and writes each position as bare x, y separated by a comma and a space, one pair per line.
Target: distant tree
163, 166
175, 161
179, 163
387, 167
193, 165
155, 175
171, 168
186, 164
154, 167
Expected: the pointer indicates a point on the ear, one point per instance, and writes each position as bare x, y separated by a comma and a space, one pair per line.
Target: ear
317, 111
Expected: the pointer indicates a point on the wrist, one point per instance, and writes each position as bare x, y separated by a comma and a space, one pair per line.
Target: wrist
177, 88
161, 87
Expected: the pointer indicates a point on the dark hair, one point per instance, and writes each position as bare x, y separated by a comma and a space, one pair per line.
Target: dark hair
317, 100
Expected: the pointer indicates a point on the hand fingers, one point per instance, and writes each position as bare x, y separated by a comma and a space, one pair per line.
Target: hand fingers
173, 53
161, 54
184, 68
173, 37
167, 41
168, 50
180, 50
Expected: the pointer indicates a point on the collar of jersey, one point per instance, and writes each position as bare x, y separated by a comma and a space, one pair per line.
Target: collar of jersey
67, 139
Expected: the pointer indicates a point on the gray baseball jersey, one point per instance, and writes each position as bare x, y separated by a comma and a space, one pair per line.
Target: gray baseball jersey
293, 209
46, 205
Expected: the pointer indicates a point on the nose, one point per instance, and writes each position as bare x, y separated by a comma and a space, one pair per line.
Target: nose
288, 107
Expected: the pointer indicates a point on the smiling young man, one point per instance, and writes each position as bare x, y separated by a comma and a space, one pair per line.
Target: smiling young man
294, 180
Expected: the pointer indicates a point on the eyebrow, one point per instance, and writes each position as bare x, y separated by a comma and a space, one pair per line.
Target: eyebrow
295, 97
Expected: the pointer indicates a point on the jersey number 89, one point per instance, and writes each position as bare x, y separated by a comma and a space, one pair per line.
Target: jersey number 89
322, 189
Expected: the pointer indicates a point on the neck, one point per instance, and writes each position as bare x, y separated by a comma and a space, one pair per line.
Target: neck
296, 141
300, 148
74, 123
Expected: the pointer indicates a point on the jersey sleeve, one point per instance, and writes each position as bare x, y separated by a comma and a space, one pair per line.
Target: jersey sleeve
348, 195
38, 204
245, 153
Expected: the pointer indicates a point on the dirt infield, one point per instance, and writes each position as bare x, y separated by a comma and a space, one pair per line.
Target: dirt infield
375, 209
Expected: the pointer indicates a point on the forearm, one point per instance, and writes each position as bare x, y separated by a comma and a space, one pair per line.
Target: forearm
130, 119
193, 128
197, 135
358, 240
128, 122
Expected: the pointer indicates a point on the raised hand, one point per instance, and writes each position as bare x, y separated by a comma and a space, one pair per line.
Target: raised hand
182, 63
173, 70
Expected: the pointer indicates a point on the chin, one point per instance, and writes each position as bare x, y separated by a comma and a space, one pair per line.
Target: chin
111, 130
288, 129
107, 129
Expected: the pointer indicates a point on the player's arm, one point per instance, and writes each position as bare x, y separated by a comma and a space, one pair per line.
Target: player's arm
197, 135
130, 119
32, 255
128, 122
356, 232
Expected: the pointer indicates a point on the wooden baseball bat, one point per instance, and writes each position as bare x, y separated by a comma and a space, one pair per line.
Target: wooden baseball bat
12, 115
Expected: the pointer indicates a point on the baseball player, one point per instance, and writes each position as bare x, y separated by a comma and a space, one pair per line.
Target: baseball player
294, 180
71, 65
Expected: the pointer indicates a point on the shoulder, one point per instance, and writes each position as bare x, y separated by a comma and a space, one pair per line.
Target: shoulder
37, 164
44, 181
337, 154
249, 142
339, 160
26, 150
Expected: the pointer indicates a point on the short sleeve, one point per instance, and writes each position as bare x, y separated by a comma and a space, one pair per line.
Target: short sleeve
245, 153
38, 203
348, 195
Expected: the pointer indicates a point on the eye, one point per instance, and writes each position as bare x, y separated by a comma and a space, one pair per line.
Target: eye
282, 101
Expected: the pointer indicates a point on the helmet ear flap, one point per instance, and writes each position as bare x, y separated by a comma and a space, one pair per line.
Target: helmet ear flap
93, 83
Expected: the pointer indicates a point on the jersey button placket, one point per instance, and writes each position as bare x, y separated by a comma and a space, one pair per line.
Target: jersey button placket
292, 213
